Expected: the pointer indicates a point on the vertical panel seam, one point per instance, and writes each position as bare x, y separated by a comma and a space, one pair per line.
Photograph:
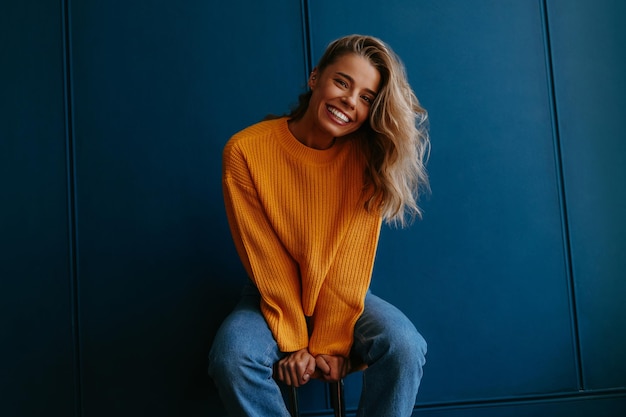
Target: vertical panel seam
70, 155
306, 35
565, 223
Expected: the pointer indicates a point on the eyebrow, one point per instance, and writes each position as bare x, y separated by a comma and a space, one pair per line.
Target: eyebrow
349, 78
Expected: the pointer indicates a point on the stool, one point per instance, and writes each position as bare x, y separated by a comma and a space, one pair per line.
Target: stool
336, 399
336, 391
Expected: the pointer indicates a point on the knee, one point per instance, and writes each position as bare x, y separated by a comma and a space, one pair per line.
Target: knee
411, 345
226, 355
222, 363
234, 355
405, 348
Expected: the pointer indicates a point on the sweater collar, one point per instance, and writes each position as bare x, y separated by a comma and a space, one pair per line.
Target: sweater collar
303, 152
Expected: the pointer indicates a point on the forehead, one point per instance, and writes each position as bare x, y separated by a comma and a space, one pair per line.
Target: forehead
358, 68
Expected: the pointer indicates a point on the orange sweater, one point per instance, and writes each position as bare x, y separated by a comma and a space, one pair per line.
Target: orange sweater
305, 239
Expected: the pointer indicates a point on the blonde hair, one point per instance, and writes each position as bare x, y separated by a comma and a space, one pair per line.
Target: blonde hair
395, 139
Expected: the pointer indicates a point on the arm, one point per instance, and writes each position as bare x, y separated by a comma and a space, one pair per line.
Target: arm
263, 255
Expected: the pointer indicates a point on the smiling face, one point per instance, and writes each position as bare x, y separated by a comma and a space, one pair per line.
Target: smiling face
342, 94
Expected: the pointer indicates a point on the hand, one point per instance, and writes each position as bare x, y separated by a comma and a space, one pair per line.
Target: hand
331, 368
295, 369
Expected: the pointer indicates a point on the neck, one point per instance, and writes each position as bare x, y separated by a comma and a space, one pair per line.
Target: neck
309, 135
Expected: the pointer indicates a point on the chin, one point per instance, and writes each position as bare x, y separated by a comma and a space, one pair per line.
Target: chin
338, 131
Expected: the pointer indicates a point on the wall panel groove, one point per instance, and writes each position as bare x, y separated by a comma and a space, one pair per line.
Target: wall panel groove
588, 45
560, 178
71, 203
306, 33
37, 376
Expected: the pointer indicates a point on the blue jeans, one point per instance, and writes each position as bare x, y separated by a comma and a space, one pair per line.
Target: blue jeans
244, 352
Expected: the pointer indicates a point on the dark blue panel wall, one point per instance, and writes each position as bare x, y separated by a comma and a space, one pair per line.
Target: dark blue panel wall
483, 275
159, 88
37, 372
590, 83
116, 264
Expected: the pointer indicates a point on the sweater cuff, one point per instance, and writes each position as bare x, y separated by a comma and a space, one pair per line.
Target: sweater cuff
333, 329
288, 327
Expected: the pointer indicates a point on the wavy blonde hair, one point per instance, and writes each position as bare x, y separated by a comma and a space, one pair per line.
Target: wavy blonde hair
395, 139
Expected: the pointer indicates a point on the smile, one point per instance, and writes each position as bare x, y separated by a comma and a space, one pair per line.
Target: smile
338, 114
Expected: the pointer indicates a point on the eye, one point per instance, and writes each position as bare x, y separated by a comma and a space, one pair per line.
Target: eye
341, 82
367, 99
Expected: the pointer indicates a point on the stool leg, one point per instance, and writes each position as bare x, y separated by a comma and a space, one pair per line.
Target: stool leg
293, 402
336, 398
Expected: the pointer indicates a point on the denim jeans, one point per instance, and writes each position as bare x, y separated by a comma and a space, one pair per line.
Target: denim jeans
244, 352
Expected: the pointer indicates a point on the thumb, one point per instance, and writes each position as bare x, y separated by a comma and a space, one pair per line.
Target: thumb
309, 370
322, 364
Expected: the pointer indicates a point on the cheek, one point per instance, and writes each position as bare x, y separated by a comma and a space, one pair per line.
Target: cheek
364, 112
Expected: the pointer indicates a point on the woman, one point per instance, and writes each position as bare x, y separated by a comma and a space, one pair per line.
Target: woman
305, 196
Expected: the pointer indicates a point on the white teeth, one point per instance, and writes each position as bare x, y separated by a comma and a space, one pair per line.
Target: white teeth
338, 114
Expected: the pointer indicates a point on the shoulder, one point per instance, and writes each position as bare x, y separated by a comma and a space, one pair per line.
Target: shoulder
256, 133
254, 142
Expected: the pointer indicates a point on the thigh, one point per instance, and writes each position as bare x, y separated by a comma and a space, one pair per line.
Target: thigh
244, 335
381, 326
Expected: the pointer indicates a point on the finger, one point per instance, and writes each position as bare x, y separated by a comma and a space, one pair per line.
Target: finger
308, 371
303, 374
337, 365
298, 373
333, 374
322, 364
295, 376
284, 376
287, 372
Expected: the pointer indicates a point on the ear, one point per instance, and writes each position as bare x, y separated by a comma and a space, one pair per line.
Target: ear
313, 79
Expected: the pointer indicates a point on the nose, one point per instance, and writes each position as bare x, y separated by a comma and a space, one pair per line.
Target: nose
349, 100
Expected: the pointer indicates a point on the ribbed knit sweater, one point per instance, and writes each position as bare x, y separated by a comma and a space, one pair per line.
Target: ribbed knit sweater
299, 224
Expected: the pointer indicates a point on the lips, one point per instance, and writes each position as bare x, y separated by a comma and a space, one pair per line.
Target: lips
339, 115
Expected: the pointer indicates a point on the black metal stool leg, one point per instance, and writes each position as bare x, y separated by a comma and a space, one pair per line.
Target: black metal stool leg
293, 402
336, 398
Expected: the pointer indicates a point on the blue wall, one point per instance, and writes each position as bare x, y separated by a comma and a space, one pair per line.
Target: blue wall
116, 264
36, 304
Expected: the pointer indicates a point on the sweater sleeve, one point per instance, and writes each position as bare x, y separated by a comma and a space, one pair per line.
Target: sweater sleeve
265, 259
342, 296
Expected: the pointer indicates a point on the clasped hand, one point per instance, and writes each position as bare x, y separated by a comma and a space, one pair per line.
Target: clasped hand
297, 368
